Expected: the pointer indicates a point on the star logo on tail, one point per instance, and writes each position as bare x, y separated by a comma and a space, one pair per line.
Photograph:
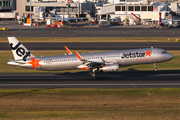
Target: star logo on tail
148, 53
34, 63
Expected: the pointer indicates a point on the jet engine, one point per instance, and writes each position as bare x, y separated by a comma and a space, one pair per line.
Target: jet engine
110, 68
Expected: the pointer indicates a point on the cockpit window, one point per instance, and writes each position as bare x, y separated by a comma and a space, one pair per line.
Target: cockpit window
164, 52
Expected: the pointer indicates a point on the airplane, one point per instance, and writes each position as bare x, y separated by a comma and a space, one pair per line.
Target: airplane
164, 23
100, 61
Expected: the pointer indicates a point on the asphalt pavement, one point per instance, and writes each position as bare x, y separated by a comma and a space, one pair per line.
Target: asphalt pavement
97, 45
165, 79
92, 32
70, 31
83, 80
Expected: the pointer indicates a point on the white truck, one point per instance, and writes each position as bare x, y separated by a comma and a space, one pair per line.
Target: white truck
7, 15
102, 23
115, 20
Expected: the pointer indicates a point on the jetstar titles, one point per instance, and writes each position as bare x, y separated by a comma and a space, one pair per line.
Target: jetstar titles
135, 54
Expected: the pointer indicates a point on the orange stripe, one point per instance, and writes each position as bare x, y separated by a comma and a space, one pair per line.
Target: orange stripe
79, 57
84, 68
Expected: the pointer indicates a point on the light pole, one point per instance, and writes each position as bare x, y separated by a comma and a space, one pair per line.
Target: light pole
126, 9
30, 13
78, 8
125, 12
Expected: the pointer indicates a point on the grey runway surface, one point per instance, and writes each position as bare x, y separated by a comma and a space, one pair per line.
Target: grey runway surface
92, 32
83, 80
97, 45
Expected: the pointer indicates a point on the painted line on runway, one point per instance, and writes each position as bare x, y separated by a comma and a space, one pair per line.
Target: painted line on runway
57, 30
143, 84
172, 33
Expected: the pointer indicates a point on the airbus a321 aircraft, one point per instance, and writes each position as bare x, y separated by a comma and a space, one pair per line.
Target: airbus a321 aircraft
99, 61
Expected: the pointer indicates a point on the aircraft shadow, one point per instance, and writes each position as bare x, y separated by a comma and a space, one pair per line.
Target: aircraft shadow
130, 74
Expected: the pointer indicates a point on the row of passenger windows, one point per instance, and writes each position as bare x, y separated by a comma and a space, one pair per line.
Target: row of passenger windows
5, 3
77, 59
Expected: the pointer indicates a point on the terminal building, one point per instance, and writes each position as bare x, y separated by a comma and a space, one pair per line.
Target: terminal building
119, 10
60, 7
7, 5
86, 8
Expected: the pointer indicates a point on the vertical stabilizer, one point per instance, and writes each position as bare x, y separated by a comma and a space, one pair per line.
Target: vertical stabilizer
18, 49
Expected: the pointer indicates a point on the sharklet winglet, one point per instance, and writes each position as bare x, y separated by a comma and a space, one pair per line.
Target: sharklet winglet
78, 55
69, 52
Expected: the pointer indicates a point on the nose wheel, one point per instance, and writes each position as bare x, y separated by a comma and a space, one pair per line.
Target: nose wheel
155, 69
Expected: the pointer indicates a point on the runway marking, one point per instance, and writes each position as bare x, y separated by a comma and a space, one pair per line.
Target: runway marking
134, 84
172, 33
57, 30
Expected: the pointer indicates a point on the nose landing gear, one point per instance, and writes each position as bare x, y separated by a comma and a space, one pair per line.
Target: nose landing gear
155, 69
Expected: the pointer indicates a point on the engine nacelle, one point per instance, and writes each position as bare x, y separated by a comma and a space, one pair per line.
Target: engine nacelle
110, 68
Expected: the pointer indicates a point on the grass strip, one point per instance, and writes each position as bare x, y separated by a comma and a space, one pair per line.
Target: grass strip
92, 39
88, 104
173, 64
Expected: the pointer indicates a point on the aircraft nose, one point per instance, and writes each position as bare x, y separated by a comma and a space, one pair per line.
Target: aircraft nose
170, 56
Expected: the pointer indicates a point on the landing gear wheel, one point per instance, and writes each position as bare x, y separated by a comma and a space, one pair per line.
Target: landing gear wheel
155, 69
92, 74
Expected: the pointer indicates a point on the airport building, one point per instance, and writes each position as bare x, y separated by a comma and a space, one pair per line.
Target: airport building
7, 5
87, 8
175, 7
119, 10
58, 7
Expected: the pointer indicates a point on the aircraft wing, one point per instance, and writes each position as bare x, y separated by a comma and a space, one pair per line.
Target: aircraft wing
87, 64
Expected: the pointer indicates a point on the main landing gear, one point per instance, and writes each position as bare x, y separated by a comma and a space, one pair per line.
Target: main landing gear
155, 69
92, 72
